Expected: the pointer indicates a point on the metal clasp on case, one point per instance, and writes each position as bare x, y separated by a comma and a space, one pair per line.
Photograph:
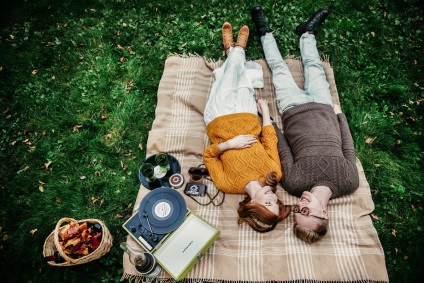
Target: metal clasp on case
200, 256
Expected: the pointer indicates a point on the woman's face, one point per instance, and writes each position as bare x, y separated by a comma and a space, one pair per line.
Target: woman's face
266, 197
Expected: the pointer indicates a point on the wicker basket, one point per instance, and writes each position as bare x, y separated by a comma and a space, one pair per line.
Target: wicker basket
52, 244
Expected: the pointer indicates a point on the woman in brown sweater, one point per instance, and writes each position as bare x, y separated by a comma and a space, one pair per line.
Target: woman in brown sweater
316, 149
243, 156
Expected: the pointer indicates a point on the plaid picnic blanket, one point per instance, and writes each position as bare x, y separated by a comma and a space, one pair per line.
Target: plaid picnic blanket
351, 250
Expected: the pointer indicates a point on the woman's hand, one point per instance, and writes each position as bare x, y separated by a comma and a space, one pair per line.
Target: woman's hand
238, 142
263, 109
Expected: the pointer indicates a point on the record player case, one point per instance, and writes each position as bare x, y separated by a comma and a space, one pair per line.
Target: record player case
178, 251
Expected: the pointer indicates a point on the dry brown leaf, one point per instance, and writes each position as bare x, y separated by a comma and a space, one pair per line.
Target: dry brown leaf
72, 242
370, 140
394, 232
94, 200
374, 216
373, 33
183, 45
46, 165
83, 177
34, 72
77, 127
32, 232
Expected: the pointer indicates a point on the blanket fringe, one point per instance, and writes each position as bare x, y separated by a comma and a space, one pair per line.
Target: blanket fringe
324, 57
142, 279
191, 55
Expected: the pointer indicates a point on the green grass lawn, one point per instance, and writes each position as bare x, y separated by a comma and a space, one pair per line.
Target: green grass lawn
78, 83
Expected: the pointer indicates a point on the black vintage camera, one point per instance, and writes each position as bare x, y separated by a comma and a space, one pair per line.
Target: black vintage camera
197, 174
193, 189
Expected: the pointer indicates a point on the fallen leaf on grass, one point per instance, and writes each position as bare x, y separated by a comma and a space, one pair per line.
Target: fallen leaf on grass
375, 217
32, 232
370, 140
41, 186
394, 232
77, 127
46, 165
34, 72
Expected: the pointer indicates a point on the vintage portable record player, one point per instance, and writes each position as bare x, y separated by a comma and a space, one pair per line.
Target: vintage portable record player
165, 227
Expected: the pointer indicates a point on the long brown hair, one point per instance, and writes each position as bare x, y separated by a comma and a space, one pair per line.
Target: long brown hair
258, 216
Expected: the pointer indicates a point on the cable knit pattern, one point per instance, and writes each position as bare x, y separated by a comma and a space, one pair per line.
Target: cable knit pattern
317, 149
234, 168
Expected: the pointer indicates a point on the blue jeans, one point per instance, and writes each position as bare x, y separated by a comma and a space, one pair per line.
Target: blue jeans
288, 94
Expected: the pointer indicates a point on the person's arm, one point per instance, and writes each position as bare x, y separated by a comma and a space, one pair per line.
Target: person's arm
347, 140
214, 164
284, 150
238, 142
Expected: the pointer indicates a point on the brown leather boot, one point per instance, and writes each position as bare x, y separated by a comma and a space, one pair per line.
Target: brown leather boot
243, 36
227, 35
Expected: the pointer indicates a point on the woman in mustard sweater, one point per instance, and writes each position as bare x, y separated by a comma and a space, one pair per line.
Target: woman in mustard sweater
243, 155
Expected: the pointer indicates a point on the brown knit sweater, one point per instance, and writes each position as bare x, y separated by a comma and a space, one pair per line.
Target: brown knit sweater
316, 149
234, 168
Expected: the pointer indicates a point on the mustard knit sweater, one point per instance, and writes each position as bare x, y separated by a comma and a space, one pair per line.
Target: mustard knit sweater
232, 169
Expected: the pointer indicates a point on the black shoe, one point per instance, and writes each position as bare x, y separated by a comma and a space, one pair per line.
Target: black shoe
259, 20
313, 23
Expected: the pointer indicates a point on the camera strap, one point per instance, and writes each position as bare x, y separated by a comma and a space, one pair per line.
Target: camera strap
197, 174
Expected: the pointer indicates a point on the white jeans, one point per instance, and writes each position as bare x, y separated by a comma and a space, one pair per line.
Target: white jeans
232, 91
288, 94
